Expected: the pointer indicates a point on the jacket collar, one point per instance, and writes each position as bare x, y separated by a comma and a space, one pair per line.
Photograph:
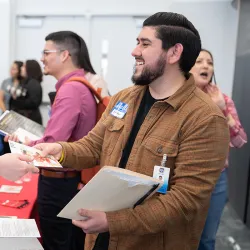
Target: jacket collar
178, 98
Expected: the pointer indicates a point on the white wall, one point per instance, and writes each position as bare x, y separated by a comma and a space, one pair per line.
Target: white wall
111, 7
5, 11
230, 44
215, 20
217, 23
94, 7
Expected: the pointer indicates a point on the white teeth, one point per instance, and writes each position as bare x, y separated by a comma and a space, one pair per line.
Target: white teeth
139, 63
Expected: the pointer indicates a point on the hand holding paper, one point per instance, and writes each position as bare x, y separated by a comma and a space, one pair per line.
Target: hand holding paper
111, 189
21, 136
94, 221
12, 137
37, 159
15, 166
54, 149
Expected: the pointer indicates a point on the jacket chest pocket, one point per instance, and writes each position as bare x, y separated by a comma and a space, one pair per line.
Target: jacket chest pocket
154, 151
113, 135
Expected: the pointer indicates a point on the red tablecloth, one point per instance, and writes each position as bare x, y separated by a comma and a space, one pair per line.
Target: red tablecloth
28, 192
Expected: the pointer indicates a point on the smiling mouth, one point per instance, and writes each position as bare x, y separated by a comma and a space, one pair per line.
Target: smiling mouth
139, 63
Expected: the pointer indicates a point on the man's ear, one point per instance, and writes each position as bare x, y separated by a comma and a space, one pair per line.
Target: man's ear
174, 53
65, 55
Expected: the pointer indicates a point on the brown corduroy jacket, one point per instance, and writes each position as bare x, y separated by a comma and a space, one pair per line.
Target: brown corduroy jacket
193, 132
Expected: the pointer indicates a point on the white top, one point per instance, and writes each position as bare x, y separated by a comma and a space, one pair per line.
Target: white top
98, 82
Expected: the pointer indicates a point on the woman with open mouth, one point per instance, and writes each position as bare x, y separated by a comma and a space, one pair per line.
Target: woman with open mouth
203, 72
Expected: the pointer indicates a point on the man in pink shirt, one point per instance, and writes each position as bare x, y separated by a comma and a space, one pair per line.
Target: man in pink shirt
73, 115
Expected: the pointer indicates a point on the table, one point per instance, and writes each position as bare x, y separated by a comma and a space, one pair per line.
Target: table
28, 192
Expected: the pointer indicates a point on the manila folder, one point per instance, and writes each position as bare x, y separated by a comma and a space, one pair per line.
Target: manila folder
111, 189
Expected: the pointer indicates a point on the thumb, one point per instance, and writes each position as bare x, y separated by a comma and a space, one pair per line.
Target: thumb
26, 158
45, 151
85, 213
43, 148
27, 141
33, 169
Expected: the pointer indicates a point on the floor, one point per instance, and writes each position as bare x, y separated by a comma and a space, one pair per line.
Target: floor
232, 233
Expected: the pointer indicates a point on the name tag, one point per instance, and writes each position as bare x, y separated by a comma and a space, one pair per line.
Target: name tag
119, 110
162, 173
49, 110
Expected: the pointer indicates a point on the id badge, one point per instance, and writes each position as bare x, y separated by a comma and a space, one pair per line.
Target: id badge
49, 110
162, 173
119, 110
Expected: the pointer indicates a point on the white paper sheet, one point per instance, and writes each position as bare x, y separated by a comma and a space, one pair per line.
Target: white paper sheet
20, 244
48, 161
22, 134
18, 228
10, 189
8, 217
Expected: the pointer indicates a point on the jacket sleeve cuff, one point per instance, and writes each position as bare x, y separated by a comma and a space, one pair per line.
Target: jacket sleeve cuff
66, 149
118, 222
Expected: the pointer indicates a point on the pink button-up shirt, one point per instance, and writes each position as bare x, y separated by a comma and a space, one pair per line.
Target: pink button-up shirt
73, 114
238, 136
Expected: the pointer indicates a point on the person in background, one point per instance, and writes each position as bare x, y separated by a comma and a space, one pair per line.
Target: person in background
26, 97
7, 84
95, 80
203, 72
73, 115
98, 82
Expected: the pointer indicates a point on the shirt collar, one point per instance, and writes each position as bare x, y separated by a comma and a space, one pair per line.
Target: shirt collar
181, 95
61, 81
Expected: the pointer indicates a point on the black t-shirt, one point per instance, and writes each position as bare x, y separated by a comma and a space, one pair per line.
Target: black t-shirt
146, 104
102, 241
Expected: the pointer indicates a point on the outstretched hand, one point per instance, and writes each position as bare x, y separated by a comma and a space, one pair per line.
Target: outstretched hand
54, 149
15, 166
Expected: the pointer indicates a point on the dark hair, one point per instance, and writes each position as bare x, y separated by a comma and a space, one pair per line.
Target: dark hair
33, 70
172, 28
68, 40
19, 65
213, 76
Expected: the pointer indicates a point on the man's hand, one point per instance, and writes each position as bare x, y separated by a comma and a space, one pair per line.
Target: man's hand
15, 138
15, 166
54, 149
95, 222
12, 137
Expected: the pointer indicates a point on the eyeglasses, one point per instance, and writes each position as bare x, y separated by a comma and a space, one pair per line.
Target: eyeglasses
46, 52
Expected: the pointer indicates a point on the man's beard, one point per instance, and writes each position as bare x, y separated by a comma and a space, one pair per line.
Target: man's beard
148, 74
